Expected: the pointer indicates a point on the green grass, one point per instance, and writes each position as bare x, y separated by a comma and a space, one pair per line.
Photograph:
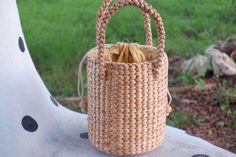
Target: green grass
60, 32
178, 118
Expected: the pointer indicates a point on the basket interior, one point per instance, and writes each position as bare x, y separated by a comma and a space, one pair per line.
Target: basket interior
148, 51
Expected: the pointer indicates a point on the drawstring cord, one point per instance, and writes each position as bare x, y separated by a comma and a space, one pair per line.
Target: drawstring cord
169, 108
80, 78
83, 102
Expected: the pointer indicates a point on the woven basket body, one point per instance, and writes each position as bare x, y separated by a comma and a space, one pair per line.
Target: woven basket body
127, 109
127, 102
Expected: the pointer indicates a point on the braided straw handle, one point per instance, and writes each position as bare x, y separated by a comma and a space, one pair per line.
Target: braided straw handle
148, 28
147, 22
101, 34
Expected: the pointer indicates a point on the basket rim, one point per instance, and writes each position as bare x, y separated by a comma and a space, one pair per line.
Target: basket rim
120, 63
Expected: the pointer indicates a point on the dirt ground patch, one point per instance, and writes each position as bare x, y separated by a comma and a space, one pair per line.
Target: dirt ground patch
214, 124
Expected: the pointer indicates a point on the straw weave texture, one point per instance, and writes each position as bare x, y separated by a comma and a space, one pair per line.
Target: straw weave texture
127, 103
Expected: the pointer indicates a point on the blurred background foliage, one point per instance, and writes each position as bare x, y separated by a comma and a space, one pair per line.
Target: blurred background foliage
60, 32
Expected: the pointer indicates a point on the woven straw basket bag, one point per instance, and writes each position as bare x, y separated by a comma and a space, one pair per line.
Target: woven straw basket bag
127, 102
